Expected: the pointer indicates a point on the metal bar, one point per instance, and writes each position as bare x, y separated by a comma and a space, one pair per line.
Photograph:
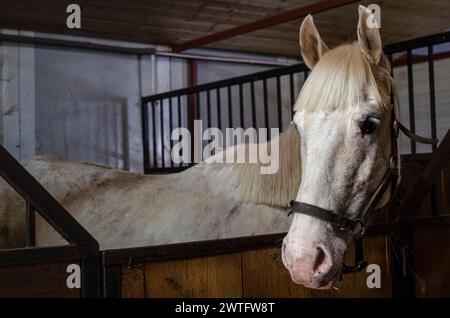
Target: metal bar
252, 97
90, 278
223, 59
229, 82
241, 105
198, 109
433, 193
170, 130
401, 263
266, 107
50, 209
432, 94
230, 107
280, 113
412, 121
145, 137
208, 109
219, 115
155, 160
111, 281
263, 23
180, 115
401, 61
75, 45
161, 120
193, 105
31, 225
17, 256
417, 43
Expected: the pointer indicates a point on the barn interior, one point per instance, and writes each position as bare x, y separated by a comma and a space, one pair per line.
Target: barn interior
110, 90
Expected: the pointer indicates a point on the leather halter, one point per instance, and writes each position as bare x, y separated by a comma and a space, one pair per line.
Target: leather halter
356, 226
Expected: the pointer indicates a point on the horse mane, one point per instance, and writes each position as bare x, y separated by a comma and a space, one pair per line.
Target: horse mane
276, 189
341, 79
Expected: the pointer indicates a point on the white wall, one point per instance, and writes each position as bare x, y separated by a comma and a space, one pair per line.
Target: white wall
78, 104
17, 122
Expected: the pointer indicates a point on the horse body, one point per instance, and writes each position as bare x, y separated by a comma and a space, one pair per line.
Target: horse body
122, 209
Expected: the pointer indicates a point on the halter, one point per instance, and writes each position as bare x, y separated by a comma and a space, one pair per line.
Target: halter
356, 226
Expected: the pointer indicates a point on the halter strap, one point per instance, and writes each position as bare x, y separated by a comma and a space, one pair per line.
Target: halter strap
342, 222
413, 136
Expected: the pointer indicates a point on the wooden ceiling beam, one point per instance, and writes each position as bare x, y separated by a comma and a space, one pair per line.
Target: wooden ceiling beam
263, 23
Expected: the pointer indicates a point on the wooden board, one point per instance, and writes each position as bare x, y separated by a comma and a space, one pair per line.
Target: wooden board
432, 261
36, 280
214, 276
254, 273
265, 276
133, 281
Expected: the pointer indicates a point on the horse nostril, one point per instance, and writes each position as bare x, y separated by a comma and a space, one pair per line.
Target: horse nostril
322, 263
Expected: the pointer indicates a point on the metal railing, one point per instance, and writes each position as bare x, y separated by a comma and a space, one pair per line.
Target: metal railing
82, 246
187, 104
233, 102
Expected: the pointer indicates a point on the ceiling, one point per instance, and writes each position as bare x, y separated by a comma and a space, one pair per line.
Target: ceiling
177, 21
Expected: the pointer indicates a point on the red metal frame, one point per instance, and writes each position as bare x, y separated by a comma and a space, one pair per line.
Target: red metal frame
263, 23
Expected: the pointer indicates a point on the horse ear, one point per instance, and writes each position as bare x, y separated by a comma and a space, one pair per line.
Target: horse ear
369, 36
311, 45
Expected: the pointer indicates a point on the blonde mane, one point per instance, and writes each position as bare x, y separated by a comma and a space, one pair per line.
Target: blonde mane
276, 189
340, 81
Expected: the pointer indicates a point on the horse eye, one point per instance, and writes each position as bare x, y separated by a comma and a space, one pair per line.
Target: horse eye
369, 125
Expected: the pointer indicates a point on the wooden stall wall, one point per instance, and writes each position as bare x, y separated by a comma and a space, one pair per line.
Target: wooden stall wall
253, 273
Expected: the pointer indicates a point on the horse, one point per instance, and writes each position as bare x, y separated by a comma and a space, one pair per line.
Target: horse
333, 155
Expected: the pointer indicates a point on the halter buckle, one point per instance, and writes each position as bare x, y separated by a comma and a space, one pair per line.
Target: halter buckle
359, 229
393, 165
395, 125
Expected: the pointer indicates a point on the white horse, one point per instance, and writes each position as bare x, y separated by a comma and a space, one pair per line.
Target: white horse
333, 156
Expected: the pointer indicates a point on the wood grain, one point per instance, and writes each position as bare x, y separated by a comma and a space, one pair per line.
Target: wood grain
36, 281
265, 276
214, 276
133, 281
432, 261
